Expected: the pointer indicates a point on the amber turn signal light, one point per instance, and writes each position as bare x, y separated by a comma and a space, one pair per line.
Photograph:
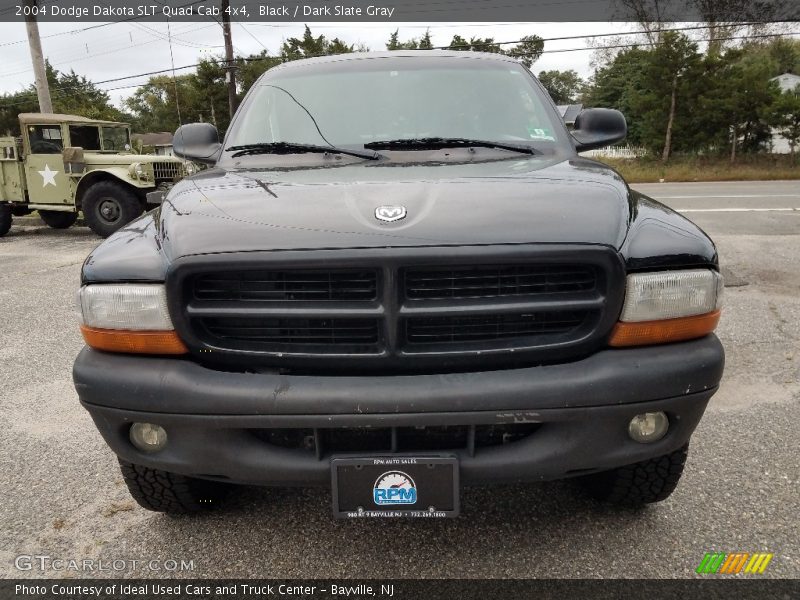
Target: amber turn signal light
645, 333
134, 342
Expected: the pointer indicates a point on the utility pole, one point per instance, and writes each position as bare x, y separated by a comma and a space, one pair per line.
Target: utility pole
230, 68
40, 74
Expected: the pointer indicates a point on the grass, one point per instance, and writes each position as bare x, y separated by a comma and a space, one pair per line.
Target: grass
706, 168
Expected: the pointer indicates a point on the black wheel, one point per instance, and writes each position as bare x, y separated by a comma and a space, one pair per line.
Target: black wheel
640, 483
108, 205
171, 493
58, 219
5, 219
20, 211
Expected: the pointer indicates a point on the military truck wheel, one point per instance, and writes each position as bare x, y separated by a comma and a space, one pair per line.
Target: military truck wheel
108, 205
170, 493
5, 219
20, 211
58, 219
640, 483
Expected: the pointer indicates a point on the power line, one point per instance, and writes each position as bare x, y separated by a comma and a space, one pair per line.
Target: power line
82, 29
248, 32
267, 57
449, 47
80, 58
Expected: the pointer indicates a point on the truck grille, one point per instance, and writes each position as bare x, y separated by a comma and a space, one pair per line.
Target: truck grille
169, 171
296, 285
285, 334
490, 327
396, 310
492, 281
333, 440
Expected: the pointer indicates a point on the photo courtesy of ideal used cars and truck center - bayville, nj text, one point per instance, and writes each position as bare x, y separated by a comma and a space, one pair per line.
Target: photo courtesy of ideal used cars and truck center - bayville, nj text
436, 299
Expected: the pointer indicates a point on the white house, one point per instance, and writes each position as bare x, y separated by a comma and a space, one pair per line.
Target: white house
787, 82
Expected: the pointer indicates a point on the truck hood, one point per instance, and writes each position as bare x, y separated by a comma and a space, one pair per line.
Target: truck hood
100, 158
511, 201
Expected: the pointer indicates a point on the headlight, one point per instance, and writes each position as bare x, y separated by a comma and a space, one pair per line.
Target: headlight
671, 294
128, 318
669, 306
138, 171
190, 168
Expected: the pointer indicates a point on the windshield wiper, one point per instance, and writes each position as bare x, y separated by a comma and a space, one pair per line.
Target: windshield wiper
293, 148
435, 143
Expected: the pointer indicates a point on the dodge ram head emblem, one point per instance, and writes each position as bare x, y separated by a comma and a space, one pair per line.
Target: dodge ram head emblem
390, 213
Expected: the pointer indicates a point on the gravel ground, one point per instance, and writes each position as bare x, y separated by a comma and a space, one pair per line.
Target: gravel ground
64, 497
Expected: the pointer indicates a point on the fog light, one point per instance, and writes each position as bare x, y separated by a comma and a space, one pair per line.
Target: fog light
148, 437
648, 427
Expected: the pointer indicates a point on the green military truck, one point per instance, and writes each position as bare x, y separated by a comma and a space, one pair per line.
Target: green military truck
64, 164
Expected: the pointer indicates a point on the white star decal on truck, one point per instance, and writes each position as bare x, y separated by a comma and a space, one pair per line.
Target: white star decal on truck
48, 176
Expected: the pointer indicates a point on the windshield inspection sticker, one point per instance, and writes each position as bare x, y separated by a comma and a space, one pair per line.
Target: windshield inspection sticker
540, 134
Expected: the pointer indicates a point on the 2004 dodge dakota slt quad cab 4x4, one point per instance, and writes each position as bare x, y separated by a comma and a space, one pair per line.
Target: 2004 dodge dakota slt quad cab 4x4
399, 277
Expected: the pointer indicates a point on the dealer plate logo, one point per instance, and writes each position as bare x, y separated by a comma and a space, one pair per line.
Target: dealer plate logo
394, 487
390, 214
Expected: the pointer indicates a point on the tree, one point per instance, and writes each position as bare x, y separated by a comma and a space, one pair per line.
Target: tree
745, 97
786, 119
618, 84
657, 89
423, 43
71, 93
564, 87
156, 103
475, 44
308, 46
254, 66
669, 74
203, 96
528, 50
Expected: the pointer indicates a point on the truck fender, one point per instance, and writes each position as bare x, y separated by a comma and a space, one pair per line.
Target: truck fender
110, 174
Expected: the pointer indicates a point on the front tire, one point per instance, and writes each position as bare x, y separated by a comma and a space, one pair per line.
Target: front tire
58, 219
170, 493
640, 483
5, 219
108, 206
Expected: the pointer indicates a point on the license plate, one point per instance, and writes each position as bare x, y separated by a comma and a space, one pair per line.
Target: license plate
395, 486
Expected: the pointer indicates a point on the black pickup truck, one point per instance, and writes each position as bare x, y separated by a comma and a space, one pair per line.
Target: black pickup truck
398, 278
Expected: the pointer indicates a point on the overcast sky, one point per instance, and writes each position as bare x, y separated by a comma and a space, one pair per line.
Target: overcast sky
121, 49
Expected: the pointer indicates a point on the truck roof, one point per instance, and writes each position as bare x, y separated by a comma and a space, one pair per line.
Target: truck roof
395, 54
47, 118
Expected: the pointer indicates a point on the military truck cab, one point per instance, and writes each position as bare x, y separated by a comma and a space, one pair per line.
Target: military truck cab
63, 164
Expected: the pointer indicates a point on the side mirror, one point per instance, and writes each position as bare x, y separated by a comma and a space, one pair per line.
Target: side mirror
197, 142
598, 127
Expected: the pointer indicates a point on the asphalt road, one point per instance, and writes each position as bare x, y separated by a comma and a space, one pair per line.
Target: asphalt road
63, 496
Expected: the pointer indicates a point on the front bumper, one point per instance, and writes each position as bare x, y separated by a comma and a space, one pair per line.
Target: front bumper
214, 418
156, 197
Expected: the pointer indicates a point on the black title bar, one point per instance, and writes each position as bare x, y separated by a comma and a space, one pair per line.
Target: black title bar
399, 11
711, 587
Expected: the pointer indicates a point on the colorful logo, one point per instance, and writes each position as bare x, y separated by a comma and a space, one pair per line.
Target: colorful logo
722, 563
394, 487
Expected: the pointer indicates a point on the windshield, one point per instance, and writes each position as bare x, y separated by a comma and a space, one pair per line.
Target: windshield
84, 136
356, 102
116, 138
